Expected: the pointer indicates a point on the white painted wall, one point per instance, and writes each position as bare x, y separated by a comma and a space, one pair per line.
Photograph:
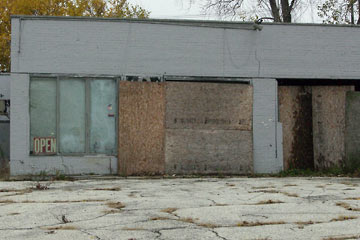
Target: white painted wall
58, 45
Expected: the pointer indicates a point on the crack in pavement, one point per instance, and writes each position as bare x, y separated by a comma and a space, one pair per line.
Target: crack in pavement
217, 234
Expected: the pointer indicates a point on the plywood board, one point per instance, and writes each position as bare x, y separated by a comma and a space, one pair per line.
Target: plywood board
295, 114
208, 106
141, 128
208, 151
329, 125
352, 131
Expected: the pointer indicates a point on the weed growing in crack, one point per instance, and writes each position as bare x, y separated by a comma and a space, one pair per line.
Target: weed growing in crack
159, 218
343, 218
169, 210
268, 202
116, 205
347, 206
63, 227
253, 224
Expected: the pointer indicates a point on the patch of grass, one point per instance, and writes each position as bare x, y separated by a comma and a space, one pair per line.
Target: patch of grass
169, 210
253, 224
353, 198
62, 227
343, 218
115, 205
268, 202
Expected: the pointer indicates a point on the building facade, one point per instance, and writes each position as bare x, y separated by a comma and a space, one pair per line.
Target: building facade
135, 97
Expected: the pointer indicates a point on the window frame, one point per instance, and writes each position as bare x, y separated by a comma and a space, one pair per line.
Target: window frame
87, 79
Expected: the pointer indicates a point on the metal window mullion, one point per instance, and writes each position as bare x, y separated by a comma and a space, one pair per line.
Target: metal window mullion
87, 115
58, 114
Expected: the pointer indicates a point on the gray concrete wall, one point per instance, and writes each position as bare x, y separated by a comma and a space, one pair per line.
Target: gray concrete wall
4, 86
265, 117
40, 45
22, 163
352, 131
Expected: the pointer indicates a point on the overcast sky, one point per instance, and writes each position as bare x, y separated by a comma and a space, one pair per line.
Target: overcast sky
180, 9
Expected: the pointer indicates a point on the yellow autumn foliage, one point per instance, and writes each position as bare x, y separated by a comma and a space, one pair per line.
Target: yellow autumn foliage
89, 8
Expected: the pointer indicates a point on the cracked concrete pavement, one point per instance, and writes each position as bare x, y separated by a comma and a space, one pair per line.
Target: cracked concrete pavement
196, 208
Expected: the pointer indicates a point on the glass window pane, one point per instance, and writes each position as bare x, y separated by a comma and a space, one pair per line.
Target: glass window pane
72, 116
102, 117
43, 115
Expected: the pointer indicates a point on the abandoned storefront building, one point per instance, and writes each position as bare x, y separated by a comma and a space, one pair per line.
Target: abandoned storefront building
137, 97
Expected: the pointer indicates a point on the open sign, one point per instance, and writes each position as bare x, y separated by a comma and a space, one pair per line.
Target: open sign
44, 145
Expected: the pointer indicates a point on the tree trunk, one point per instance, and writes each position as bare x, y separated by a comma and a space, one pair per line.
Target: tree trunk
275, 11
286, 11
351, 7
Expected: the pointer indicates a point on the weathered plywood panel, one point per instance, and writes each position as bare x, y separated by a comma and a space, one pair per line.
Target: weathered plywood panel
208, 151
295, 108
208, 106
352, 131
329, 125
141, 128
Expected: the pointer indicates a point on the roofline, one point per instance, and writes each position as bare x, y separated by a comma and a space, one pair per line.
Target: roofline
203, 23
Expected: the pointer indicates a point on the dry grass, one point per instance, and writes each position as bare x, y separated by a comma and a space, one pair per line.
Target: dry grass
253, 224
347, 206
115, 205
188, 220
13, 214
221, 204
290, 194
343, 218
230, 184
268, 202
342, 237
290, 185
159, 218
262, 187
169, 210
350, 184
208, 225
112, 211
62, 227
353, 198
108, 189
7, 201
133, 229
306, 223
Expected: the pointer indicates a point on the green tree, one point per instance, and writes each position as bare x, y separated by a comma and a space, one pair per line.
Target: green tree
91, 8
340, 11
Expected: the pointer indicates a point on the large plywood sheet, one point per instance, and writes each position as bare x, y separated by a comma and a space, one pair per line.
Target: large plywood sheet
141, 128
208, 106
208, 151
329, 125
295, 114
352, 131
